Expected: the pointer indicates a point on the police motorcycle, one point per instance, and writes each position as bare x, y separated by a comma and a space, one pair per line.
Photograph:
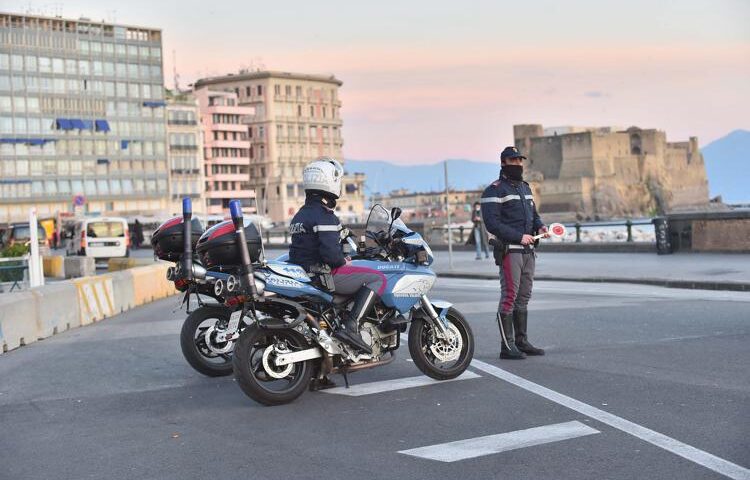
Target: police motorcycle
289, 338
205, 337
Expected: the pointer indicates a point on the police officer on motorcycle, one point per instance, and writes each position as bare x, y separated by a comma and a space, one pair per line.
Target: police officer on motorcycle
316, 247
510, 215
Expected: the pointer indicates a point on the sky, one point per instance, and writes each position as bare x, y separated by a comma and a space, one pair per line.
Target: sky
430, 80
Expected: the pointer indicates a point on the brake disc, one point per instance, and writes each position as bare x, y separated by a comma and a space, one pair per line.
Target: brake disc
270, 367
210, 336
448, 349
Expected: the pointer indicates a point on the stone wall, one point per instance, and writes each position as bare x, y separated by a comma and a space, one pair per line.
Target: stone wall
633, 172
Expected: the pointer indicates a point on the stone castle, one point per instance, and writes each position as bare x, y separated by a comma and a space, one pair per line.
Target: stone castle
596, 173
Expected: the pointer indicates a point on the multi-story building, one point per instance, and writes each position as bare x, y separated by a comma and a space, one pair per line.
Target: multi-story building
81, 115
185, 152
228, 152
297, 118
605, 172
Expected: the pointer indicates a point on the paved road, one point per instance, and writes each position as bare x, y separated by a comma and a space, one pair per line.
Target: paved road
116, 400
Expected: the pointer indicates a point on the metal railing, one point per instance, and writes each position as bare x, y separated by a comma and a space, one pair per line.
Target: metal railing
15, 271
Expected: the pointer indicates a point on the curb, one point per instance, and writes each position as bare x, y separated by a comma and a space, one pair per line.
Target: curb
685, 284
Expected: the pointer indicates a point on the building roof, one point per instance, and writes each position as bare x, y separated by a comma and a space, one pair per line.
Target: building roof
85, 20
267, 74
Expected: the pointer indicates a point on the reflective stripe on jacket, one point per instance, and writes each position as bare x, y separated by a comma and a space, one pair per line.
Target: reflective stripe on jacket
508, 210
315, 235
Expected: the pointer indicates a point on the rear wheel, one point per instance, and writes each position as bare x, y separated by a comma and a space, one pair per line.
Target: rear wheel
257, 374
438, 358
199, 329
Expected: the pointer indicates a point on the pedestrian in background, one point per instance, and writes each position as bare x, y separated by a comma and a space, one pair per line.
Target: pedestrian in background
510, 215
478, 234
137, 234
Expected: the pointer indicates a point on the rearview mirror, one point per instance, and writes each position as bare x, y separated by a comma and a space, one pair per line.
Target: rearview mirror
395, 213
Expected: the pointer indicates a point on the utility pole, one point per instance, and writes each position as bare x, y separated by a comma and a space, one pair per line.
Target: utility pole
448, 209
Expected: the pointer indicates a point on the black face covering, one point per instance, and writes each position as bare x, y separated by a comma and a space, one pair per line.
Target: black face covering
514, 172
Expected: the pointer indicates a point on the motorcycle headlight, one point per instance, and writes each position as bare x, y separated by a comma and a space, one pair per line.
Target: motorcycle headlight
218, 288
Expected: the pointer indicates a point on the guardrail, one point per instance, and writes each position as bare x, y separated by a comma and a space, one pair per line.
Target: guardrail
461, 232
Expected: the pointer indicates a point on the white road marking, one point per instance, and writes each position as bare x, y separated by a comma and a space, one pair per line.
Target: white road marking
503, 442
396, 384
705, 459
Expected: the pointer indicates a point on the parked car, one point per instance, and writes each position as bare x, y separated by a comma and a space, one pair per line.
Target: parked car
100, 237
19, 233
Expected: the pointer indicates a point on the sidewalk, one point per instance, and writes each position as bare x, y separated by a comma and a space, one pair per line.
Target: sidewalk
710, 271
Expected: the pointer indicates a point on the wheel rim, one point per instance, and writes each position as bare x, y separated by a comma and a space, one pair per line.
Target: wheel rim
445, 354
209, 327
269, 377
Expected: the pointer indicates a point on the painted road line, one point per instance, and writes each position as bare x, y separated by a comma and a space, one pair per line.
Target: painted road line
396, 384
503, 442
695, 455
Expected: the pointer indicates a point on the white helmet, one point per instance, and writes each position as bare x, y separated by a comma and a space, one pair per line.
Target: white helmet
323, 174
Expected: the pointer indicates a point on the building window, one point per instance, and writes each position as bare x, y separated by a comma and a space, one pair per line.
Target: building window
277, 89
298, 91
312, 111
248, 91
260, 89
288, 90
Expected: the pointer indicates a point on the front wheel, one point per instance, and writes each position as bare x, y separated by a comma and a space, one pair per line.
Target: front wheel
198, 343
438, 358
257, 373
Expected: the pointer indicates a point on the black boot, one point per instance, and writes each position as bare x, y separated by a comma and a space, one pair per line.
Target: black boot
520, 319
508, 348
348, 331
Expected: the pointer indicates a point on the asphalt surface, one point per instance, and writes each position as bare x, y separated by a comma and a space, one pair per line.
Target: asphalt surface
116, 400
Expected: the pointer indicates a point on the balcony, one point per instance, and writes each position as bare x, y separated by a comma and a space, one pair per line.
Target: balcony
230, 194
182, 122
183, 148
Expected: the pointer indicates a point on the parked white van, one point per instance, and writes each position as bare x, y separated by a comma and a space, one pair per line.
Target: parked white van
100, 237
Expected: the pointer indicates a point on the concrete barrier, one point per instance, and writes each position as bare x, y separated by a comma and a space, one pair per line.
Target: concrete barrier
124, 290
56, 312
96, 298
54, 266
76, 267
26, 317
150, 283
18, 320
117, 264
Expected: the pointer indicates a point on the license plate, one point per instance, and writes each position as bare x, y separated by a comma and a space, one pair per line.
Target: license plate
234, 321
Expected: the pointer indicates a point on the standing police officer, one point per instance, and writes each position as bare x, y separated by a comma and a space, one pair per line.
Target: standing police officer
510, 216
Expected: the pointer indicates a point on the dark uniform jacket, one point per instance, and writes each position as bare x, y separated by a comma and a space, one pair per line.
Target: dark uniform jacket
509, 211
315, 236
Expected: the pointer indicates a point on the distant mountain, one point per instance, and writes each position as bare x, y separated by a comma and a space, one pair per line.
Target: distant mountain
384, 177
728, 167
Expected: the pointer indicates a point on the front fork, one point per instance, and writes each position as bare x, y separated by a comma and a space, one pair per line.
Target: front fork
438, 320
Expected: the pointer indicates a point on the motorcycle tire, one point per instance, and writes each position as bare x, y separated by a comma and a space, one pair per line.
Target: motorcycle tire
251, 375
420, 332
200, 358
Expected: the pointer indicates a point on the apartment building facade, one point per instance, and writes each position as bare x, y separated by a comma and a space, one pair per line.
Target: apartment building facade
297, 118
81, 116
227, 150
185, 152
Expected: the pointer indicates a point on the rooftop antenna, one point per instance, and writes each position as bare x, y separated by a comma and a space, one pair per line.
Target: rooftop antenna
174, 73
